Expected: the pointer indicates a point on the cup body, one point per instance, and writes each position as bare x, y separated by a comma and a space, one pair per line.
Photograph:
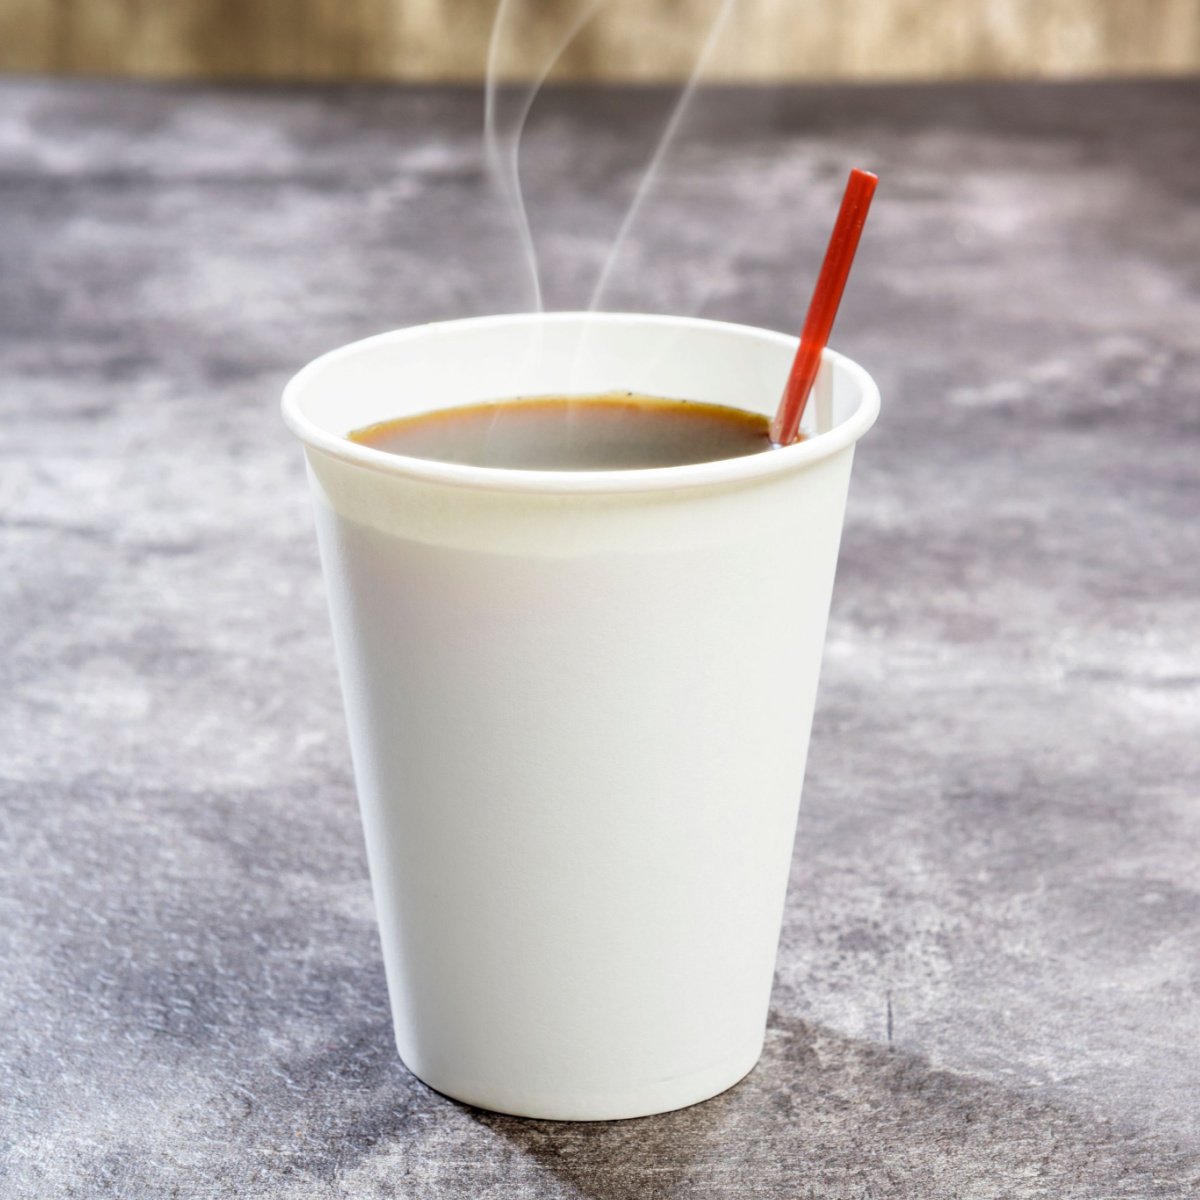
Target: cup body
578, 704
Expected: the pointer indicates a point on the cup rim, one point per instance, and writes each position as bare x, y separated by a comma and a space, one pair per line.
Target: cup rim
506, 479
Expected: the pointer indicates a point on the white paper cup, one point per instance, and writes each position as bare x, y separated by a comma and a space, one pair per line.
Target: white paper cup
579, 705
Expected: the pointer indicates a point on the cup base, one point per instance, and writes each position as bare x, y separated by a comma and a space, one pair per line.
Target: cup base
644, 1100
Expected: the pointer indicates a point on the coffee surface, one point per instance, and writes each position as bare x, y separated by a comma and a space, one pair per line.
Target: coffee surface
617, 431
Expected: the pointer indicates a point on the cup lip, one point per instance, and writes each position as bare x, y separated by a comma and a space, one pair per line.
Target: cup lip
506, 479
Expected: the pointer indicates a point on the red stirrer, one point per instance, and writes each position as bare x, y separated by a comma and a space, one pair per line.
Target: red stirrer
823, 306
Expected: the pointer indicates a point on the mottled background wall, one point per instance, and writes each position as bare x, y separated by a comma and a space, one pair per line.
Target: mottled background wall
627, 40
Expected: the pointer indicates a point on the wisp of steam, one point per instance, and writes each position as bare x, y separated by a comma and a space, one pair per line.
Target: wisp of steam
507, 108
505, 111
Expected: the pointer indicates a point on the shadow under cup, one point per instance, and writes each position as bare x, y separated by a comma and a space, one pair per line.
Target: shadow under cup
579, 705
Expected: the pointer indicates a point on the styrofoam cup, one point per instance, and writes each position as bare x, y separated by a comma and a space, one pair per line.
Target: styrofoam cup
579, 705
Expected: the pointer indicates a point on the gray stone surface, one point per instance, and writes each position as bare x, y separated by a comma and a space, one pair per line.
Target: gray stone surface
989, 977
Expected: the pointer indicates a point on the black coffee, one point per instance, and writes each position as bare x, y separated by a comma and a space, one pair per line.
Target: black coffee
620, 431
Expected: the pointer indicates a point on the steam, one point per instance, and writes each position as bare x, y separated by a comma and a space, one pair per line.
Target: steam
507, 109
506, 113
502, 134
665, 141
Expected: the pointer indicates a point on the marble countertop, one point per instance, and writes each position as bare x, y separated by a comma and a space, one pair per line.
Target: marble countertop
989, 976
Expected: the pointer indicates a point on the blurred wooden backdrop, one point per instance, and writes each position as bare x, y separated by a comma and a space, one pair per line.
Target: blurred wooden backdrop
626, 40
